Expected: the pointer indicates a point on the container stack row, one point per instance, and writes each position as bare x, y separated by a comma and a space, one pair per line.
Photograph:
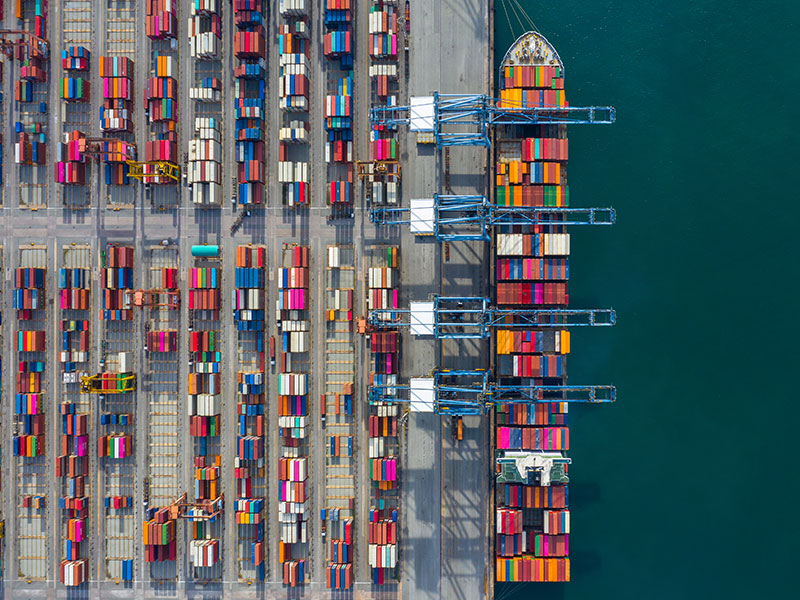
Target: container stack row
165, 466
28, 484
70, 165
294, 48
161, 20
161, 112
339, 146
115, 387
338, 405
205, 162
383, 32
383, 445
74, 87
30, 304
205, 29
74, 91
532, 532
249, 315
532, 86
1, 143
293, 317
2, 340
31, 92
72, 462
337, 40
159, 535
532, 268
338, 103
116, 113
250, 48
383, 187
532, 271
205, 412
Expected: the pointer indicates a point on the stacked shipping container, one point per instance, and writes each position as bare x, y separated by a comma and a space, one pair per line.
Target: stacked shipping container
383, 447
294, 48
158, 536
115, 440
250, 100
205, 162
249, 311
532, 270
161, 22
205, 408
338, 110
116, 113
117, 82
160, 100
30, 304
72, 464
28, 486
70, 166
73, 87
292, 314
205, 29
383, 46
337, 404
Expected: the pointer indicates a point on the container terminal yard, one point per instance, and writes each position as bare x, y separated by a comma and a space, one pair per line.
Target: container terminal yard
285, 307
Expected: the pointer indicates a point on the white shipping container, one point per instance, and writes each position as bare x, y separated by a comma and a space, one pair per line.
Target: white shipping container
293, 8
333, 257
298, 341
207, 193
376, 447
509, 244
204, 6
293, 422
204, 171
294, 508
391, 192
295, 325
295, 59
125, 362
205, 150
555, 244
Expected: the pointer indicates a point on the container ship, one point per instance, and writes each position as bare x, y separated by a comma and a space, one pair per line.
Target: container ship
531, 270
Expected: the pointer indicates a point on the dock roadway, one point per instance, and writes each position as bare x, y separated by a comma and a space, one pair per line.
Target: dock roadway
444, 546
445, 487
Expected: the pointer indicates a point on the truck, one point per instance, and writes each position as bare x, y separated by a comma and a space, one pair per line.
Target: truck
458, 428
272, 351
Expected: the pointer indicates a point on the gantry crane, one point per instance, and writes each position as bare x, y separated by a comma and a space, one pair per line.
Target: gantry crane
465, 119
153, 298
472, 392
379, 169
12, 38
455, 218
121, 152
93, 384
474, 317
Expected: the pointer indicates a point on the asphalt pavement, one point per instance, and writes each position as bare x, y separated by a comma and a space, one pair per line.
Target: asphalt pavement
444, 542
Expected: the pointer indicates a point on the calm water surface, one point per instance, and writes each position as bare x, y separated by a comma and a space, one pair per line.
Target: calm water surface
686, 487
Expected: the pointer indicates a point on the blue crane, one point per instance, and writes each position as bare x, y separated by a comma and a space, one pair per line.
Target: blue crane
473, 317
464, 392
465, 119
456, 218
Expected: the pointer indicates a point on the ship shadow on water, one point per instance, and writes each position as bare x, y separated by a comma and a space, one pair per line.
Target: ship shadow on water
583, 494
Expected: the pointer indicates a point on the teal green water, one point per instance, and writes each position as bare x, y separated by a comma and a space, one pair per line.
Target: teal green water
686, 487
